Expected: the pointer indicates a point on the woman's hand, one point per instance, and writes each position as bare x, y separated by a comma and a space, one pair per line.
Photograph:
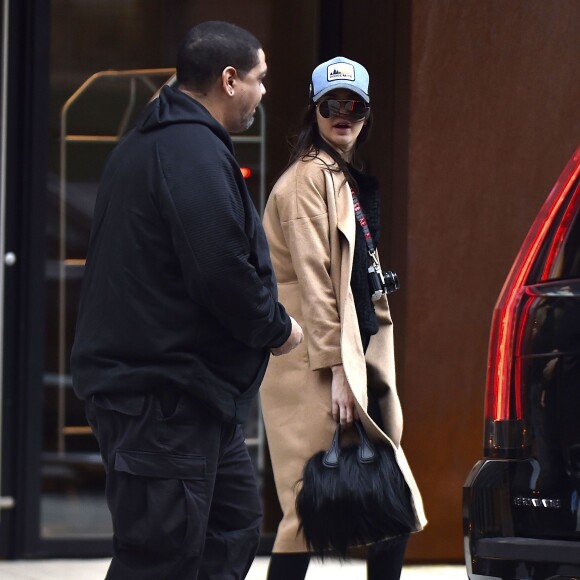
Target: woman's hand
343, 407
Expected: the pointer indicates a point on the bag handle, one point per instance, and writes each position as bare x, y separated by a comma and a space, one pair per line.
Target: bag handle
366, 451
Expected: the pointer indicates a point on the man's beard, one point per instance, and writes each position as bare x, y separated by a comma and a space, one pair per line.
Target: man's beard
247, 122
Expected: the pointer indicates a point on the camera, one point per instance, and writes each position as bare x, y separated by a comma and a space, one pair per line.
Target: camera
381, 283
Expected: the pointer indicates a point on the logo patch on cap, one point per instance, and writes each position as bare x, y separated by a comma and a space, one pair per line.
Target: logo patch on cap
340, 71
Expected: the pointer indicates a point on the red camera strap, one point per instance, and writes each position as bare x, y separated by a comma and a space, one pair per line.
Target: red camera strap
362, 220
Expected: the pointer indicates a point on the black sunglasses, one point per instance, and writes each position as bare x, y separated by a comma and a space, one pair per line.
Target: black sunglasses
349, 109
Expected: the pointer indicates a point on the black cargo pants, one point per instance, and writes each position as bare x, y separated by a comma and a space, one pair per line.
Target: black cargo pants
180, 488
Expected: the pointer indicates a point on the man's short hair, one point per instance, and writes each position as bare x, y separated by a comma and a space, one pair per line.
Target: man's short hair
209, 48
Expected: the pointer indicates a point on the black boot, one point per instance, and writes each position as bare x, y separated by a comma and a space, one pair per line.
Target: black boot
385, 559
292, 566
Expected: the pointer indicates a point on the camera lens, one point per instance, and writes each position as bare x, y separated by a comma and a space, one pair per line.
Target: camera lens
391, 282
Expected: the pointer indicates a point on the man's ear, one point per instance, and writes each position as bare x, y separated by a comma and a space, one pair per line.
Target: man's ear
229, 78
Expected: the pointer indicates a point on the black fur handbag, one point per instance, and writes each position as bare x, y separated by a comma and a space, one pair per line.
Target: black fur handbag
352, 496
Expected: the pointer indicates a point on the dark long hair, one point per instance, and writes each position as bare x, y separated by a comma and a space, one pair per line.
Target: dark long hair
308, 144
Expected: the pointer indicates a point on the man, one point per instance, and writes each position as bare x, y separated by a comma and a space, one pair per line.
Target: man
177, 319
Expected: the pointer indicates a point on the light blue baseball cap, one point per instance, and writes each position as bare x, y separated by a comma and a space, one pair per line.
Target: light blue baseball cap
340, 73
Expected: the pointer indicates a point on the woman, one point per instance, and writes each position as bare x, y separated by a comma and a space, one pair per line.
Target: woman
346, 362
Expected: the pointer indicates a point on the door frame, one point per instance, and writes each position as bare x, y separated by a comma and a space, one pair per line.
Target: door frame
25, 69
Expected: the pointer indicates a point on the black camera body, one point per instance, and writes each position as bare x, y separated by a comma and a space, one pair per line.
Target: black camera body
381, 283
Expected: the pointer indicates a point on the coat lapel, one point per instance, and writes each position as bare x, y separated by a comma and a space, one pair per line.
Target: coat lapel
344, 209
342, 200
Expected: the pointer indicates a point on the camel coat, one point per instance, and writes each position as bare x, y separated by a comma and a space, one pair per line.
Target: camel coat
310, 224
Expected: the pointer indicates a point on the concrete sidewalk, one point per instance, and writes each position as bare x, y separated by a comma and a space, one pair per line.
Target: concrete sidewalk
96, 569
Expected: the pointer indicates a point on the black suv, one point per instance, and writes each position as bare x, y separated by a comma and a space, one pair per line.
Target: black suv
521, 502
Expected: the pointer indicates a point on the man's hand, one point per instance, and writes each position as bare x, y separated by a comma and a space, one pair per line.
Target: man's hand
295, 338
343, 407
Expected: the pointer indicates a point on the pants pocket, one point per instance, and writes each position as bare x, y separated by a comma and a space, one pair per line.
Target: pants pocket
158, 502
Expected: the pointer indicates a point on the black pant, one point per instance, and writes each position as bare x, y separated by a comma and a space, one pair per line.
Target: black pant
180, 488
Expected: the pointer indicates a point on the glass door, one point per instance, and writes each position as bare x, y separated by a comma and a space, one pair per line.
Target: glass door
63, 110
72, 501
108, 59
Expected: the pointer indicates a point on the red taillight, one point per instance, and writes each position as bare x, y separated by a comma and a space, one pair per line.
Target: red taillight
551, 264
511, 311
246, 172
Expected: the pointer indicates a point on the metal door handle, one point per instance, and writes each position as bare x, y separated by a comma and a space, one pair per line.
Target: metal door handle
10, 258
7, 503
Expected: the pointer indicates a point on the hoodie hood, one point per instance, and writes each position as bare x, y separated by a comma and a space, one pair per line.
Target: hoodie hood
172, 107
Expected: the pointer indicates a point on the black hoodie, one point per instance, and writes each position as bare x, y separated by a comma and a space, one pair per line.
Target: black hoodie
178, 288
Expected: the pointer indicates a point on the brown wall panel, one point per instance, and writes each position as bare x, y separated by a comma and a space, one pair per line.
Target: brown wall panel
492, 103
